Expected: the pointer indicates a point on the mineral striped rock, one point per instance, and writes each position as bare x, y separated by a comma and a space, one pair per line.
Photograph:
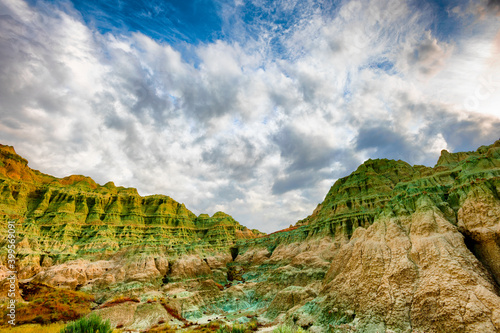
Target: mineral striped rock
395, 247
392, 248
75, 218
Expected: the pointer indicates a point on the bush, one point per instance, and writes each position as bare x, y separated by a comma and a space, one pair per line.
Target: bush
235, 329
288, 329
253, 325
238, 329
90, 324
162, 329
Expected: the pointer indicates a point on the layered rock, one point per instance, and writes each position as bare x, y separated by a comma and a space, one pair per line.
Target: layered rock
392, 248
412, 248
74, 217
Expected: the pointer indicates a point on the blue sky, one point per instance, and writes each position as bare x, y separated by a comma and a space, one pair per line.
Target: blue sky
203, 21
250, 107
168, 21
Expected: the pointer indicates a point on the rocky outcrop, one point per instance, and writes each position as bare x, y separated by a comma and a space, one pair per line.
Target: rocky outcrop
413, 272
407, 248
59, 220
288, 298
392, 248
86, 274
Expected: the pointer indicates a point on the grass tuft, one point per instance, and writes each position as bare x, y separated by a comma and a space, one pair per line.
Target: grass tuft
248, 328
91, 324
34, 328
288, 329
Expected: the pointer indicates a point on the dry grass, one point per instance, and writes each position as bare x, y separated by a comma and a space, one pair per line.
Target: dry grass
206, 328
49, 305
34, 328
172, 311
118, 300
162, 329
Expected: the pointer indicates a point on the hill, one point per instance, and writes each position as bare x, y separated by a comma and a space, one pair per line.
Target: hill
392, 248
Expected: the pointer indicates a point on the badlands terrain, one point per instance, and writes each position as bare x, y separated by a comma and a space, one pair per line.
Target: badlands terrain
392, 248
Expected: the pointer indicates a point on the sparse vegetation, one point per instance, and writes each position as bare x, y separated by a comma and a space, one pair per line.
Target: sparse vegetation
34, 328
171, 310
162, 329
118, 300
239, 328
343, 328
48, 305
206, 328
91, 324
288, 329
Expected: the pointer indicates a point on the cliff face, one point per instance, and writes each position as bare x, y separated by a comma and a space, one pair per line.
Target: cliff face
74, 217
392, 248
407, 248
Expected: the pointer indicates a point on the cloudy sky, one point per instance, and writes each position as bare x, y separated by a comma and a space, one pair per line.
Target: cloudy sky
251, 107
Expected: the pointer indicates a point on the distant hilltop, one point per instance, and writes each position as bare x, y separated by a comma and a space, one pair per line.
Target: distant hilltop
74, 216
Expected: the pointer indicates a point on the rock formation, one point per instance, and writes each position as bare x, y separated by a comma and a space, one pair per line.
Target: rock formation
392, 248
409, 248
73, 218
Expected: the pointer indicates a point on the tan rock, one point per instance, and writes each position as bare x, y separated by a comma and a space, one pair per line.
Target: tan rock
81, 272
254, 256
141, 269
479, 221
426, 277
219, 261
189, 266
148, 314
120, 314
161, 264
68, 275
288, 298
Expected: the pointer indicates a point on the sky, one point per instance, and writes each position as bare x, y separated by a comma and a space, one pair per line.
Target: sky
251, 107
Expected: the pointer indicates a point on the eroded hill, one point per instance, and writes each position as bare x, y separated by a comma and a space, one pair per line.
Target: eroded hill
393, 247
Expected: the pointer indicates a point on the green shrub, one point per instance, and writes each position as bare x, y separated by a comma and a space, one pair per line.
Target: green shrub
288, 329
238, 329
235, 329
253, 325
90, 324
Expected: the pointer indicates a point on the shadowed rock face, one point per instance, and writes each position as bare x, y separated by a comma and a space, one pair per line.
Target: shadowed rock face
393, 247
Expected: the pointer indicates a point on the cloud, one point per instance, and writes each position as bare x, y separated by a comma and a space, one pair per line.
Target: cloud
427, 56
258, 123
389, 143
296, 180
477, 10
464, 132
304, 151
237, 156
494, 4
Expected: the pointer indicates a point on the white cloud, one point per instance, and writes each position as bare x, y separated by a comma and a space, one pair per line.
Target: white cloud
264, 122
